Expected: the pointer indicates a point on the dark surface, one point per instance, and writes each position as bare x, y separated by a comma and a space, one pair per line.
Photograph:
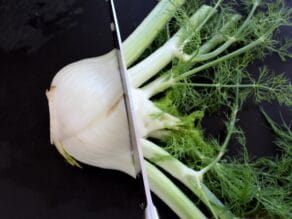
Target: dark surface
37, 38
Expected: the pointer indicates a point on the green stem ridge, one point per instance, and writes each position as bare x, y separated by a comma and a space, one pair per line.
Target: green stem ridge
230, 40
171, 195
158, 85
275, 128
210, 14
247, 20
165, 81
151, 65
152, 88
221, 59
146, 32
216, 52
227, 139
185, 175
161, 57
218, 85
220, 36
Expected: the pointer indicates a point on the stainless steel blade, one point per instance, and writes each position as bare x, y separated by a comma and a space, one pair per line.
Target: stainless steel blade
150, 210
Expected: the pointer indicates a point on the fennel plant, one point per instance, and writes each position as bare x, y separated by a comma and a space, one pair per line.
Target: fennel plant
186, 60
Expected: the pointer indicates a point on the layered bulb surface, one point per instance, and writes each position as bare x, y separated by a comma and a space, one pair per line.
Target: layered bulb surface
88, 120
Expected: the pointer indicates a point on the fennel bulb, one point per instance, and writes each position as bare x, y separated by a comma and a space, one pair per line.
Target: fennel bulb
98, 137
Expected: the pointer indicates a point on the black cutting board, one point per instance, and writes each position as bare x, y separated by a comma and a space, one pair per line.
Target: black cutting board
37, 38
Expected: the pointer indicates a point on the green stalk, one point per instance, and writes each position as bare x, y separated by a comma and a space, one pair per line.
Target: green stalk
275, 128
218, 85
146, 32
219, 37
165, 81
172, 48
210, 14
227, 139
185, 175
221, 59
154, 88
171, 195
151, 65
216, 52
229, 42
158, 85
247, 20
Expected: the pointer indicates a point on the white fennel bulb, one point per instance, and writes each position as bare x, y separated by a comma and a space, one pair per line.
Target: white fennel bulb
88, 118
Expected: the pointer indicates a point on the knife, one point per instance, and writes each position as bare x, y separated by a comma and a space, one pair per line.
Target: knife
147, 205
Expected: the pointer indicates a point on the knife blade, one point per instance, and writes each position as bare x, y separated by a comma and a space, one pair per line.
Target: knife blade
150, 211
